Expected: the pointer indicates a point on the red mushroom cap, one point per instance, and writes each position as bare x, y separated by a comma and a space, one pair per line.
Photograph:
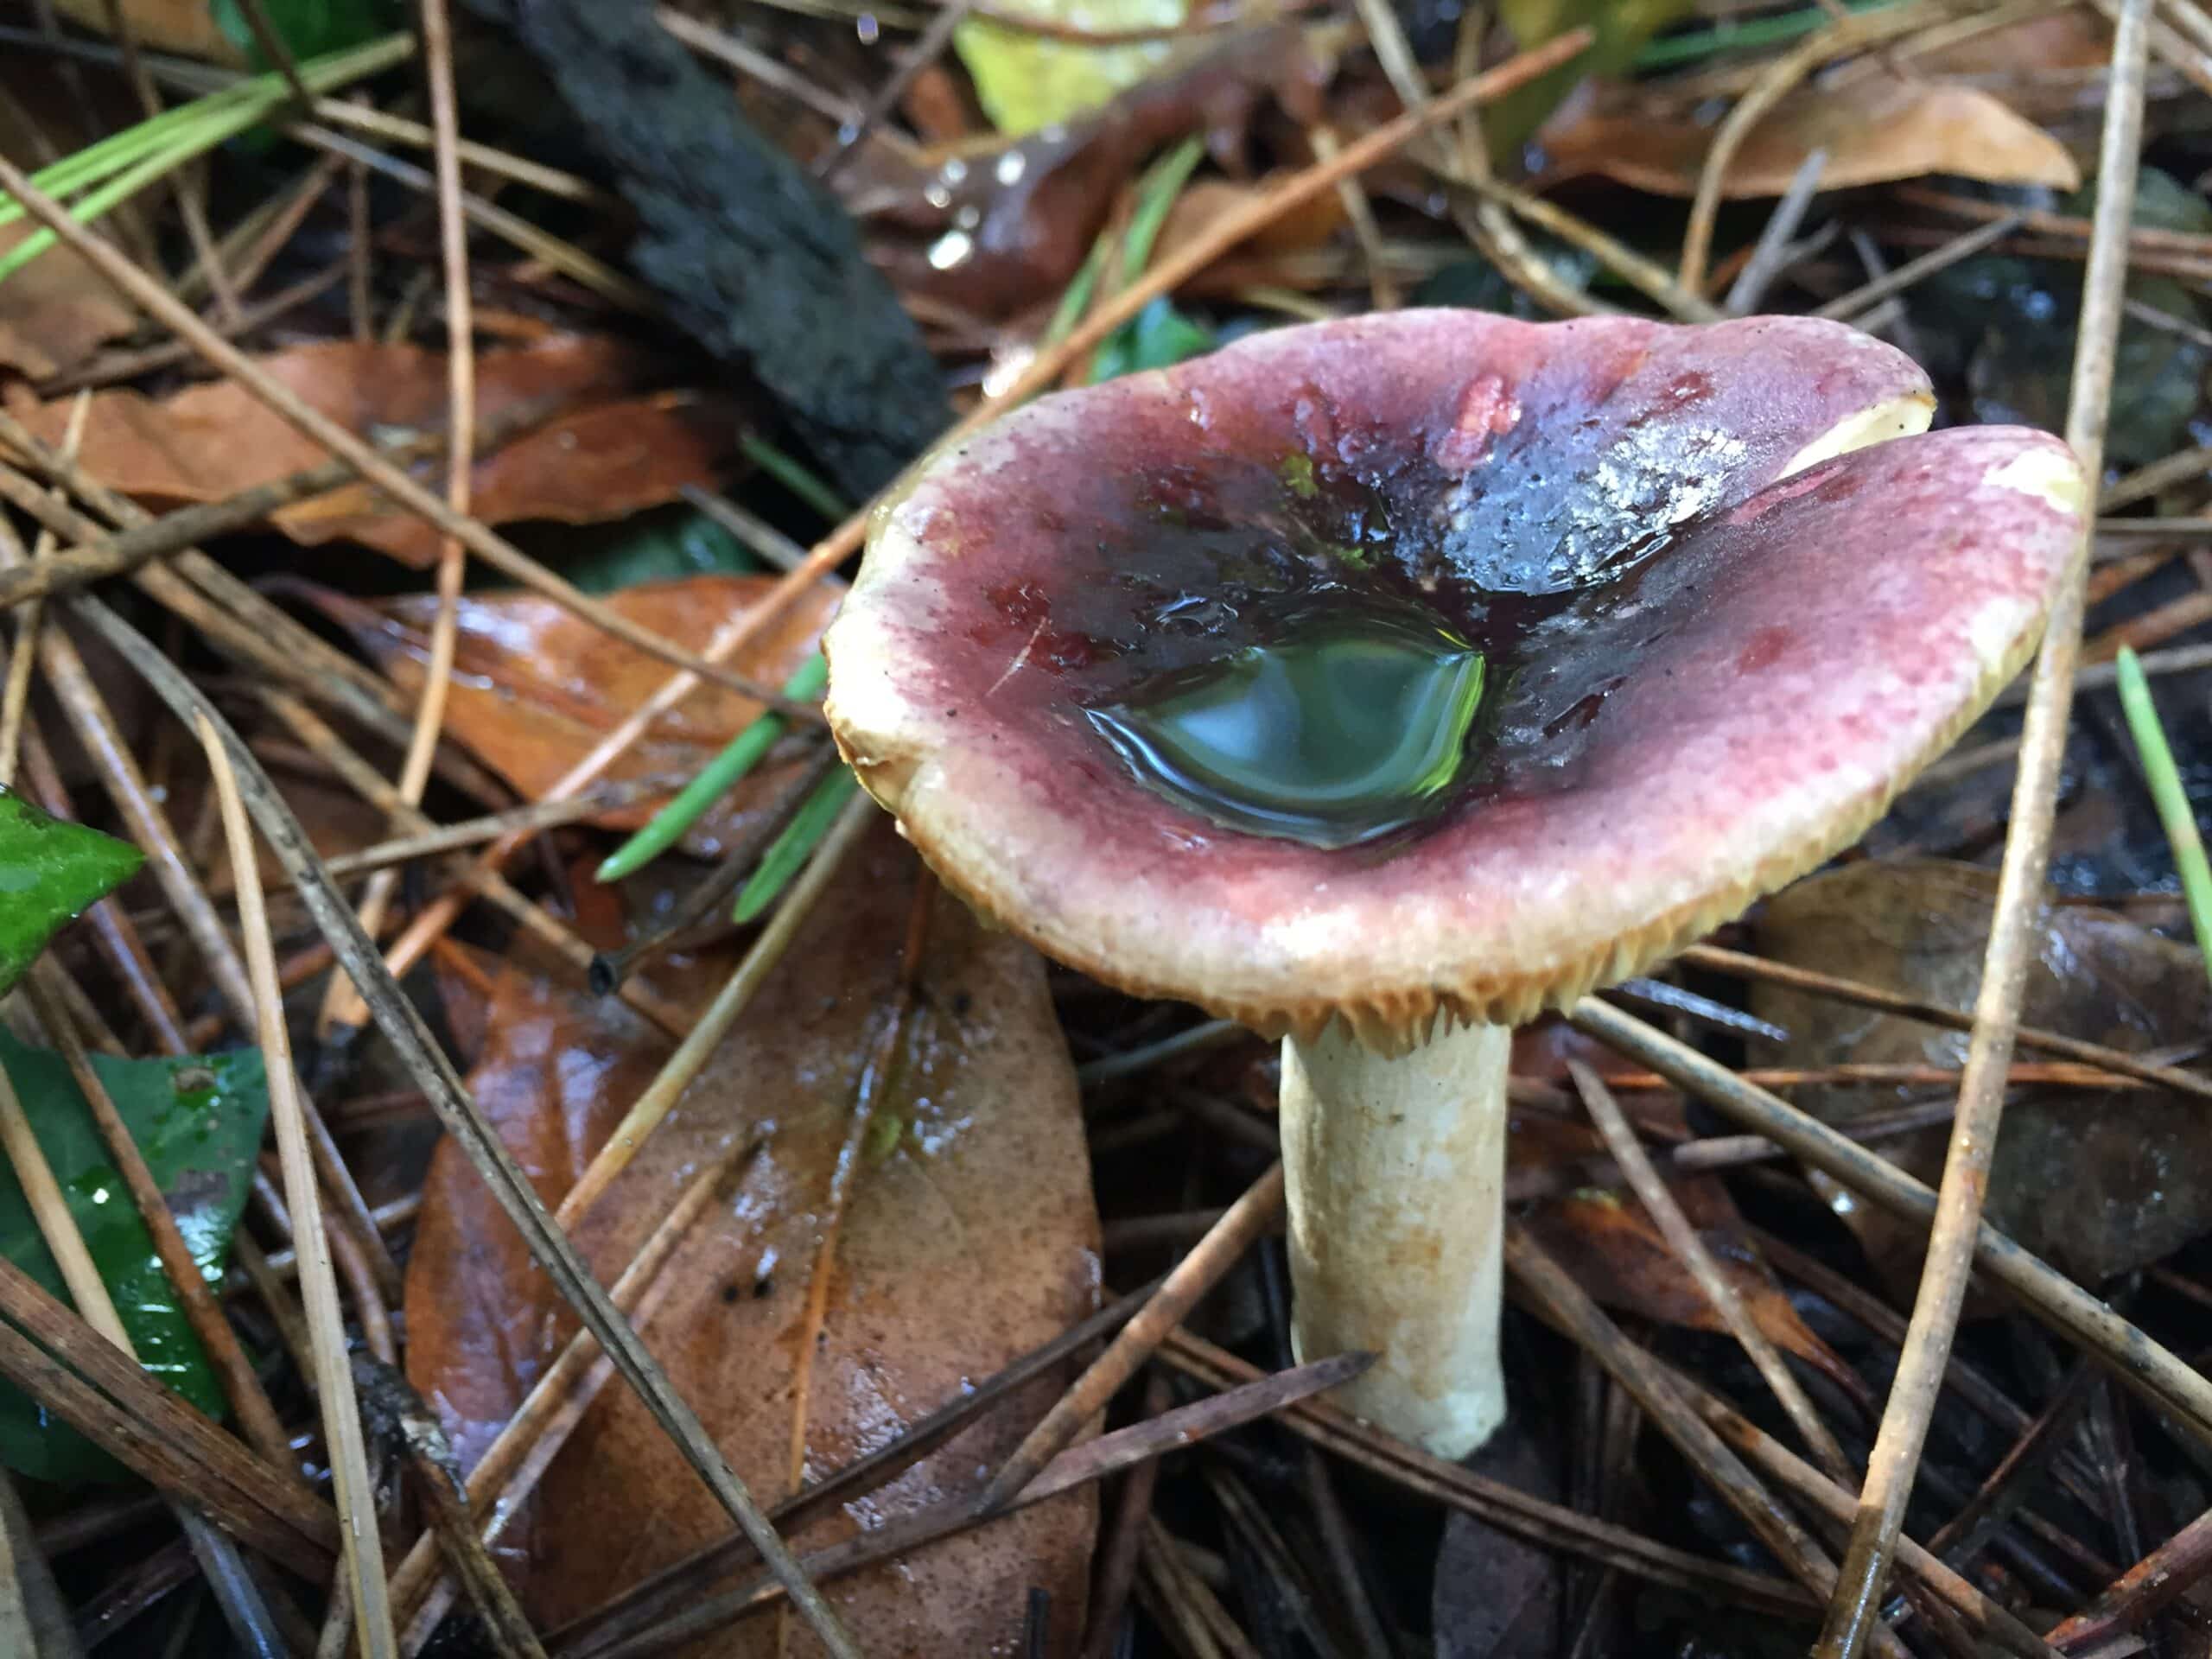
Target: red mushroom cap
1725, 633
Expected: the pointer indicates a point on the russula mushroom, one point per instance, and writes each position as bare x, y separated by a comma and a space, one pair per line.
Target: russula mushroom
1383, 683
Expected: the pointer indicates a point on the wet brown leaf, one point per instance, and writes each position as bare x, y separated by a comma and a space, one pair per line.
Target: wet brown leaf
1875, 129
1607, 1240
970, 1238
615, 452
2099, 1183
535, 689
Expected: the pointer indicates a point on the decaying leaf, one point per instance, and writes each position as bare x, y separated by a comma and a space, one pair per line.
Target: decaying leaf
615, 450
535, 689
1874, 128
54, 313
2097, 1182
969, 1238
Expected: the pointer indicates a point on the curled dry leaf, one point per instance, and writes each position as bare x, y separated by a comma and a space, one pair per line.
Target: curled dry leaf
1607, 1240
614, 449
535, 689
968, 1238
1874, 128
2099, 1183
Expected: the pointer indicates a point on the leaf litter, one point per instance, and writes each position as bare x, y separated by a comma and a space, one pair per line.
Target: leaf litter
1003, 190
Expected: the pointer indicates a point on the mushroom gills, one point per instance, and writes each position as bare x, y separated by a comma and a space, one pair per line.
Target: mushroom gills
1348, 718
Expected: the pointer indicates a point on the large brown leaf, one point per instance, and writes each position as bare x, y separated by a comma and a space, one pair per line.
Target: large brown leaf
616, 451
535, 689
2098, 1182
1875, 129
969, 1237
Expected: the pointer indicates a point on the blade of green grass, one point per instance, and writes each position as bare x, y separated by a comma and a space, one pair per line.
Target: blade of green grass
715, 779
116, 168
796, 478
2168, 796
788, 852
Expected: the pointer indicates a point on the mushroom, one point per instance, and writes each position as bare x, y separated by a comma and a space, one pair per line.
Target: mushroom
1383, 683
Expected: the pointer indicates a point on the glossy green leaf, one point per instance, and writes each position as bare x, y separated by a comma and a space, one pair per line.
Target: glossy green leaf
198, 1122
50, 871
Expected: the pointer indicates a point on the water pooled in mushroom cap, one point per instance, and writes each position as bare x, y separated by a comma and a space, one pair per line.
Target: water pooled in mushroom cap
1345, 721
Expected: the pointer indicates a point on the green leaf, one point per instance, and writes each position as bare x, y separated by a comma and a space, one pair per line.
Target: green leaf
50, 872
198, 1122
658, 545
1156, 337
789, 852
309, 27
1025, 81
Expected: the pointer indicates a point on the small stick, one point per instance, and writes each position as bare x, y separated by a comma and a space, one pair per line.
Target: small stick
2153, 1583
1863, 299
1124, 1538
2016, 924
1224, 1244
341, 1417
1673, 1226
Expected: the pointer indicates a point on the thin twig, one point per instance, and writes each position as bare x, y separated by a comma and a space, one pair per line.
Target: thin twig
2016, 927
333, 1368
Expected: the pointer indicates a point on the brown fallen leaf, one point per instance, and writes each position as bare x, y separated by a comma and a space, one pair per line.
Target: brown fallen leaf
535, 689
1608, 1241
1205, 202
1875, 129
969, 1238
1496, 1596
617, 450
2097, 1183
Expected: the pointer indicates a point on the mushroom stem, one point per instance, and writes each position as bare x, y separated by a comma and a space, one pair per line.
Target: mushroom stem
1395, 1175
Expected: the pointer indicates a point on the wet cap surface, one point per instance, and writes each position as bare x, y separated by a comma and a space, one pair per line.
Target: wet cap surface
1714, 653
